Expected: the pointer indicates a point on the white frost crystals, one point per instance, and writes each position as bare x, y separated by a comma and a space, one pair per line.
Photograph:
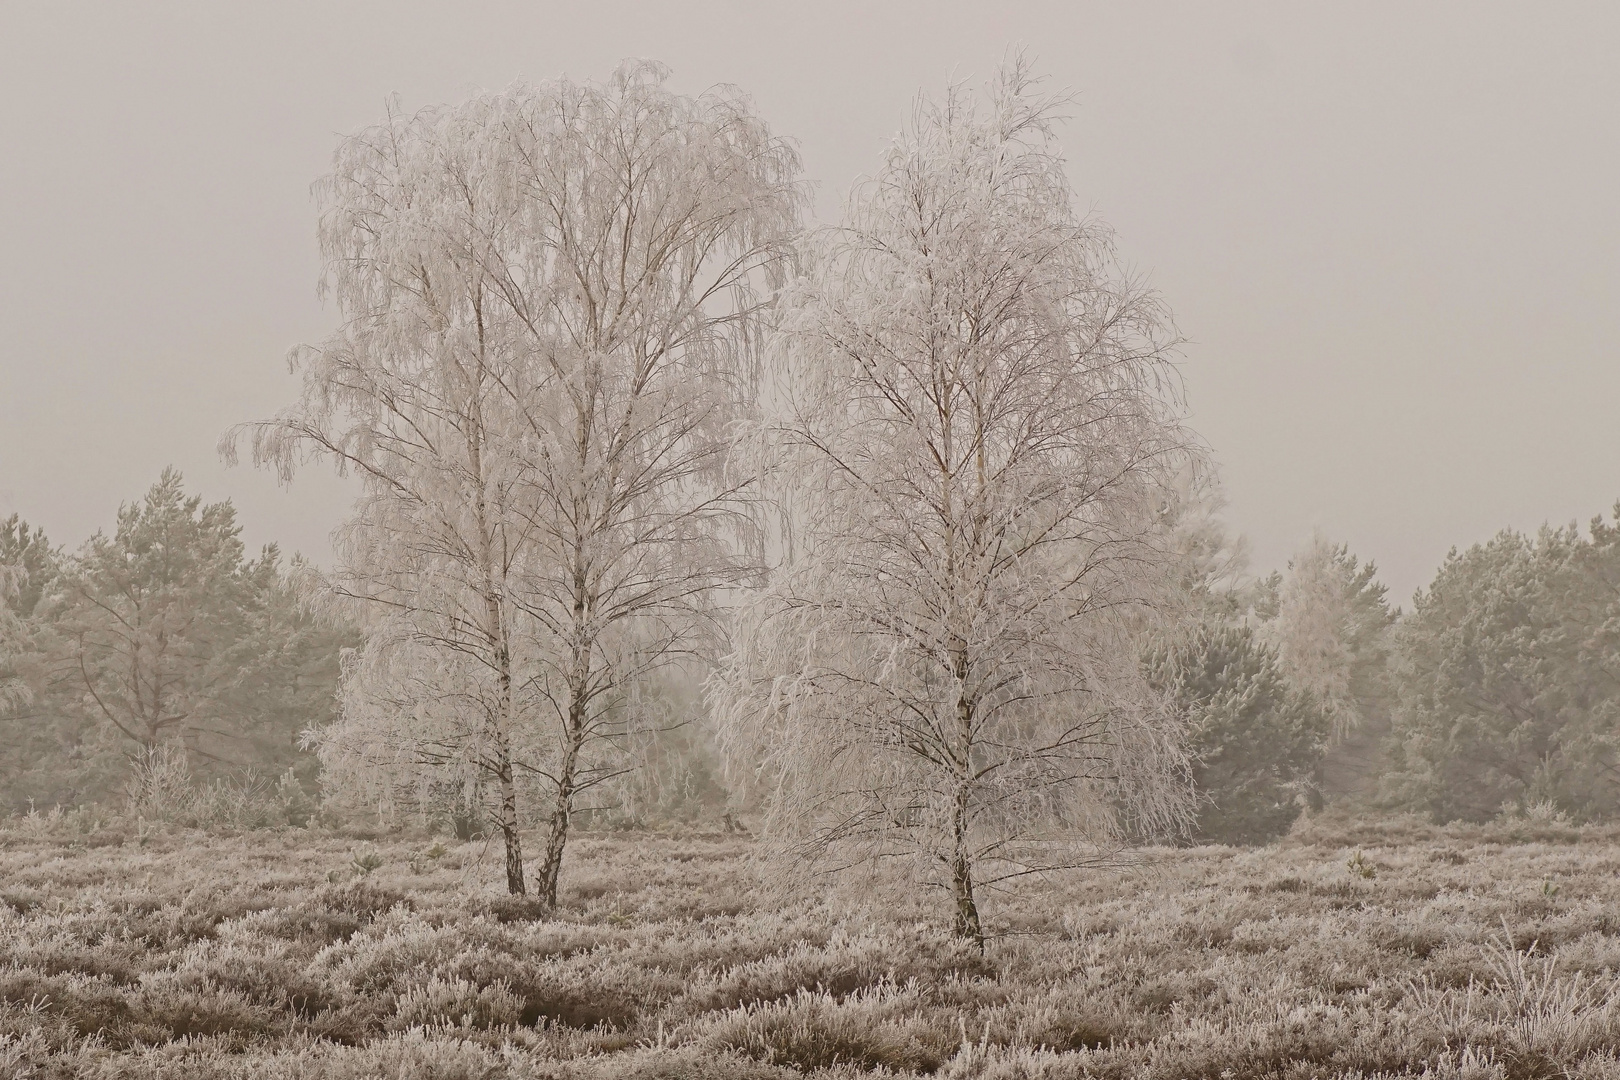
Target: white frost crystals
971, 420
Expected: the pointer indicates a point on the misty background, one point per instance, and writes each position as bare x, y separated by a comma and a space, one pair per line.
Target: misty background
1387, 231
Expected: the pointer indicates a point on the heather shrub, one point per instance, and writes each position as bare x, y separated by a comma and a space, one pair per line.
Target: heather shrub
880, 1027
991, 1061
1080, 1014
843, 964
418, 1054
334, 913
456, 1002
582, 991
1526, 1008
166, 1010
513, 909
86, 1004
267, 971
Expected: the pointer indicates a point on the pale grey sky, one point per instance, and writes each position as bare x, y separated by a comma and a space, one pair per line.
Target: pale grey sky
1390, 231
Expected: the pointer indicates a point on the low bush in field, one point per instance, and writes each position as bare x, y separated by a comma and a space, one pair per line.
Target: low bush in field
881, 1027
1468, 951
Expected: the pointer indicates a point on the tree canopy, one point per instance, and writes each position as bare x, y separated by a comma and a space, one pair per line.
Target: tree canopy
553, 298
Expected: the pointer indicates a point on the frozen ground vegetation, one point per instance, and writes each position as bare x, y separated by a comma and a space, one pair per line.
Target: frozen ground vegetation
1348, 950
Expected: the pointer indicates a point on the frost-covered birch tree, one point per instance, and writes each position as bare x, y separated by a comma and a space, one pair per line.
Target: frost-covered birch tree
659, 224
413, 395
974, 418
552, 298
1331, 631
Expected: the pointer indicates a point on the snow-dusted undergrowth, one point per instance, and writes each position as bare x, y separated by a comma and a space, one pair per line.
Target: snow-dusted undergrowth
1352, 951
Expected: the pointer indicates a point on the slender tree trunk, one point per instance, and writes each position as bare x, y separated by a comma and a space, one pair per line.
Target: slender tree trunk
509, 831
568, 769
507, 817
966, 924
967, 910
499, 635
561, 813
578, 699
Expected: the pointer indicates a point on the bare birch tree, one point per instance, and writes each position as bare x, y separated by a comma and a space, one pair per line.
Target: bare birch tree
1331, 632
411, 394
553, 295
657, 220
974, 419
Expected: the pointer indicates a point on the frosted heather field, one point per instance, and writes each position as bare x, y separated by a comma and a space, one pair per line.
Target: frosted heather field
1352, 951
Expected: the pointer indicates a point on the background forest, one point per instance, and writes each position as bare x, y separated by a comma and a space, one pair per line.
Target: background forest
164, 646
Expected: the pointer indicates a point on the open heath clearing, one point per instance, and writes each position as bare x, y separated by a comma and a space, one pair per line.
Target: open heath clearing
1346, 950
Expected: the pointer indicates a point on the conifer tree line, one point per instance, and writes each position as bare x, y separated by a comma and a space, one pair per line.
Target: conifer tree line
160, 649
887, 537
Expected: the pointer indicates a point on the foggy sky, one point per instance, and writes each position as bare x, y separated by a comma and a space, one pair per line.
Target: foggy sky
1389, 232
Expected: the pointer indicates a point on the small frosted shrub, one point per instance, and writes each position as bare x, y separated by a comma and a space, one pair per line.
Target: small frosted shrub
333, 914
454, 1003
262, 969
420, 1054
839, 967
88, 1005
166, 1011
876, 1028
119, 962
159, 787
988, 1061
162, 789
1078, 1014
1185, 988
12, 1049
515, 909
1419, 939
362, 899
385, 956
677, 1063
366, 860
583, 992
87, 822
31, 1030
